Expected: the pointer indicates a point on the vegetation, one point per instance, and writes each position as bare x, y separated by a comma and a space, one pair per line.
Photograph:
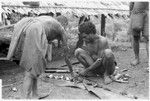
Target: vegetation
116, 32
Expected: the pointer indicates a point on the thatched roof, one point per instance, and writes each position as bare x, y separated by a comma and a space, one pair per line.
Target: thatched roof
89, 7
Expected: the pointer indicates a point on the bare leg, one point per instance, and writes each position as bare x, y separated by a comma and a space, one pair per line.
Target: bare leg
147, 48
27, 85
34, 89
84, 61
132, 41
107, 79
109, 65
59, 44
84, 58
146, 33
136, 50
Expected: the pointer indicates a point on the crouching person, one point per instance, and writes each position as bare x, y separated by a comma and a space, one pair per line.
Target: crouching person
95, 55
29, 45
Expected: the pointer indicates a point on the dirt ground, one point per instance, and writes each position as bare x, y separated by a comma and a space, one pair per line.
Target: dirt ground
138, 86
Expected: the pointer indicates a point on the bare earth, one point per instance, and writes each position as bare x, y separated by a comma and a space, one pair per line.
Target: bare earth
138, 86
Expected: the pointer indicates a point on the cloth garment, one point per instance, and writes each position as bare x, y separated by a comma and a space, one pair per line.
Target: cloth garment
29, 42
139, 19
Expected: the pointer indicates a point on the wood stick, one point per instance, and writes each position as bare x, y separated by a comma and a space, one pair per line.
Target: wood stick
8, 85
57, 68
71, 64
57, 71
6, 26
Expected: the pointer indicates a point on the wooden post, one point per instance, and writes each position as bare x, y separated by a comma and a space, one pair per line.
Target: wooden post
49, 52
103, 21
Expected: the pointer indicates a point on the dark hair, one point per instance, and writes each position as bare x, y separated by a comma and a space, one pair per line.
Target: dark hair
58, 14
83, 19
51, 14
87, 28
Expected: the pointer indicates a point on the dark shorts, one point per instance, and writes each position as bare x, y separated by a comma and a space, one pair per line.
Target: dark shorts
108, 65
145, 31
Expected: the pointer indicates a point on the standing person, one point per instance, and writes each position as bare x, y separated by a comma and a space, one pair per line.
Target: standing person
29, 45
139, 24
95, 54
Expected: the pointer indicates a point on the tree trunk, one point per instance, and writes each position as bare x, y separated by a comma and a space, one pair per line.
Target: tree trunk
103, 21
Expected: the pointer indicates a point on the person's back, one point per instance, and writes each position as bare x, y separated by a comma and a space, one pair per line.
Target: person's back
52, 27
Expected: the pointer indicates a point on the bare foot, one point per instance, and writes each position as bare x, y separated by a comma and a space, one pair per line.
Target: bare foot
107, 80
25, 97
35, 96
135, 62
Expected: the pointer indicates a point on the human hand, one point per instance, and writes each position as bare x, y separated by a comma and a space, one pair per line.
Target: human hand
77, 78
95, 57
82, 73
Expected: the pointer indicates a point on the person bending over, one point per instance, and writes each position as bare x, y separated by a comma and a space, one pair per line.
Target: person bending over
29, 45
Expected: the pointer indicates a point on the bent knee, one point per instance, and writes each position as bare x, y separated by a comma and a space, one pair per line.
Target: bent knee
108, 53
109, 61
79, 51
146, 38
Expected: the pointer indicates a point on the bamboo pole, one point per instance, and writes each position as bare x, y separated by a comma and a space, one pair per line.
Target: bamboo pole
66, 7
3, 27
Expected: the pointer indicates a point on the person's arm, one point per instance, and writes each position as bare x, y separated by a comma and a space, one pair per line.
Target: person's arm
92, 67
66, 53
102, 46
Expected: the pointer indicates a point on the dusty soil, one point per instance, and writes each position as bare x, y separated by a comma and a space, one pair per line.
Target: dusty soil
138, 86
